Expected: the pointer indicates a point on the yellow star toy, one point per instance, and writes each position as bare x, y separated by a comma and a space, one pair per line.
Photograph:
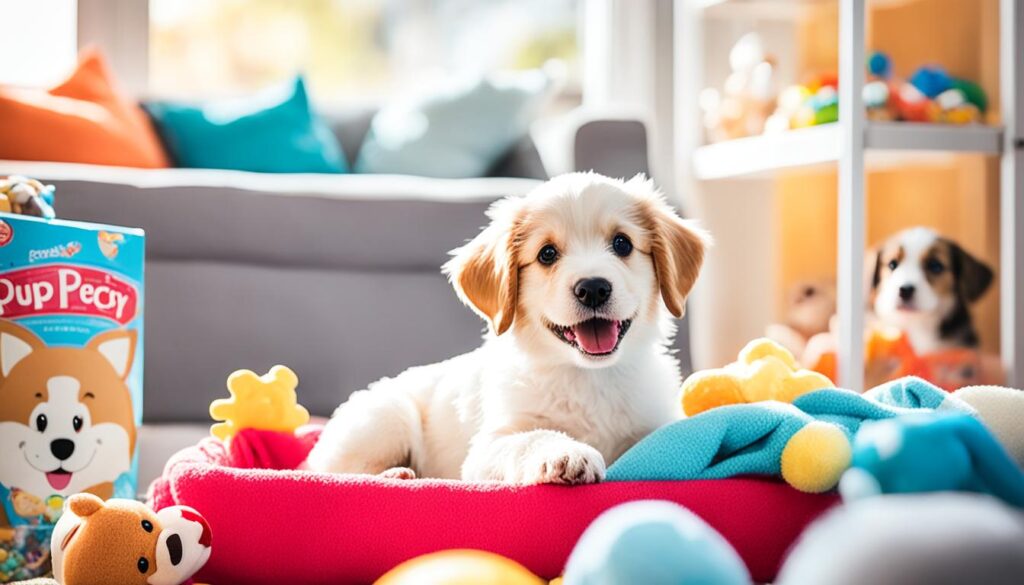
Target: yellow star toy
266, 403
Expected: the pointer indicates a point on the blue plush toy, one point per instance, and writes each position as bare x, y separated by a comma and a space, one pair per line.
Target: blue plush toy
653, 543
929, 453
931, 80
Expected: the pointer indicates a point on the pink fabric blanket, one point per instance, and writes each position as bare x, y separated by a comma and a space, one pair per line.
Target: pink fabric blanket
274, 524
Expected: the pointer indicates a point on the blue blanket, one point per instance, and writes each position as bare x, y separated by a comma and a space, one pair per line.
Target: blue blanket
811, 442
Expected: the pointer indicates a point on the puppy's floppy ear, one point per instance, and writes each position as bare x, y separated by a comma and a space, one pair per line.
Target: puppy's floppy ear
872, 274
677, 246
973, 277
876, 272
485, 272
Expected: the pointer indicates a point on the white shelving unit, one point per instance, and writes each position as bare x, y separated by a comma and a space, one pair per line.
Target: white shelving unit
887, 145
857, 145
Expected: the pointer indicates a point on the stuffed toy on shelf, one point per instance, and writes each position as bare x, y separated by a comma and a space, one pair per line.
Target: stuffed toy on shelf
809, 309
748, 95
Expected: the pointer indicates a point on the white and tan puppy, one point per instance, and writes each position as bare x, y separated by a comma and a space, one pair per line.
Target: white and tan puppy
924, 284
578, 281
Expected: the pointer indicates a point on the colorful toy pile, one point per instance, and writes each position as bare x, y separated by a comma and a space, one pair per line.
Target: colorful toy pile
24, 552
744, 106
930, 95
26, 196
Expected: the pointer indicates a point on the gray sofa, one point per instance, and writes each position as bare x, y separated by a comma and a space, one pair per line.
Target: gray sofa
336, 276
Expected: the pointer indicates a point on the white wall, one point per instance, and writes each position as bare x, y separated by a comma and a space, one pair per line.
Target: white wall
734, 299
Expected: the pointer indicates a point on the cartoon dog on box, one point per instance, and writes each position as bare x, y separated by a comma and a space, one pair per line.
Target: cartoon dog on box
66, 421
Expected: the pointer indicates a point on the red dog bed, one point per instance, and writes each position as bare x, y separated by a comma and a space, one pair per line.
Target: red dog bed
274, 524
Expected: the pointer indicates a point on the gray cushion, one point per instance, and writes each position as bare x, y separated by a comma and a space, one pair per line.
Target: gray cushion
339, 330
371, 222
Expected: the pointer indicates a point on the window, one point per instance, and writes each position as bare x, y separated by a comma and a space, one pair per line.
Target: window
352, 50
37, 47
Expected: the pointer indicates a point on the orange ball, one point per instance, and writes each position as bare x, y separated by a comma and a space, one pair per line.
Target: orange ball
460, 567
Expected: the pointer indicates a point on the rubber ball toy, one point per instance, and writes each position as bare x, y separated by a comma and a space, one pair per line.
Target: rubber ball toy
460, 567
879, 65
653, 543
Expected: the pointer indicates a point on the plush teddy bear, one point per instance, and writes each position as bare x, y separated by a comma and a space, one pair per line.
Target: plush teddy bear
125, 542
809, 308
747, 98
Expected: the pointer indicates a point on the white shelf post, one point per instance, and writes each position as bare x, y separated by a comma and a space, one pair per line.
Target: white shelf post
1011, 209
850, 275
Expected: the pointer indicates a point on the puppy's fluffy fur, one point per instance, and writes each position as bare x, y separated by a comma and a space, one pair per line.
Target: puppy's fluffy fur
533, 405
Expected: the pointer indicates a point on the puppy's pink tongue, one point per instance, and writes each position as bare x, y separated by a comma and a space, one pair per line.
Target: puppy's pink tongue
597, 336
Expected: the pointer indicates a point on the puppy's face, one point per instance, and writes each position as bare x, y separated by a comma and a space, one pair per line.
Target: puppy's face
581, 268
919, 276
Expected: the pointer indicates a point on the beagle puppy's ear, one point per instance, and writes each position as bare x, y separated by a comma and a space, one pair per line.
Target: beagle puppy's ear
677, 249
872, 274
485, 271
876, 272
973, 277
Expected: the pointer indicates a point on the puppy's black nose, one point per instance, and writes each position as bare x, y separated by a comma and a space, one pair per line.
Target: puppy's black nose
62, 448
593, 292
907, 292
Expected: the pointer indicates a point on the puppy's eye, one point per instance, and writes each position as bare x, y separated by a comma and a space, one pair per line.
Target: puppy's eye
41, 422
548, 254
893, 264
147, 526
934, 266
77, 423
143, 565
621, 245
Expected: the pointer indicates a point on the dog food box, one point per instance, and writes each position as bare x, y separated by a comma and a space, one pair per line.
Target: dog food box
71, 299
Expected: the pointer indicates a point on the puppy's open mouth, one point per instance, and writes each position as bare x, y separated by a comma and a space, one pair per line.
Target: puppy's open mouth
595, 337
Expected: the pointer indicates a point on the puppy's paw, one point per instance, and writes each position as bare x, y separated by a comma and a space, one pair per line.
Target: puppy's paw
571, 464
398, 473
